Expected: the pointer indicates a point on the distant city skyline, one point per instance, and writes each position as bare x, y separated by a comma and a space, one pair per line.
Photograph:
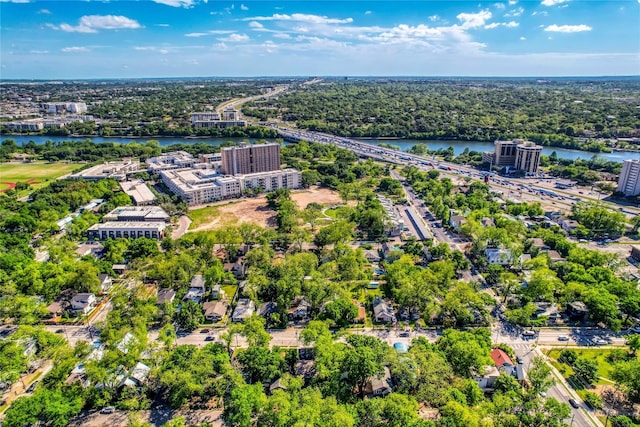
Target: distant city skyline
200, 38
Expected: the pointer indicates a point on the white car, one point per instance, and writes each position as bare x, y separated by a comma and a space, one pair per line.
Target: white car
563, 338
599, 341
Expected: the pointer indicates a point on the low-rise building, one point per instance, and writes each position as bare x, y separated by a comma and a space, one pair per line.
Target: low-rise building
166, 295
383, 311
116, 170
214, 311
138, 191
82, 303
105, 282
137, 214
498, 256
244, 309
299, 309
133, 230
380, 385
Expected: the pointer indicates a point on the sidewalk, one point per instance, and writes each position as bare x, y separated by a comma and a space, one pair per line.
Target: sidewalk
572, 393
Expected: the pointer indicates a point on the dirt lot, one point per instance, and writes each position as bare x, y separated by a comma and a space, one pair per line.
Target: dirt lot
254, 210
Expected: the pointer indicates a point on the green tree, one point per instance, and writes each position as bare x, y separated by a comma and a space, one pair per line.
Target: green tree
586, 370
244, 404
364, 358
190, 315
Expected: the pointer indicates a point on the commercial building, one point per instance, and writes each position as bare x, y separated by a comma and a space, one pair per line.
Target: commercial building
212, 119
528, 157
246, 158
138, 191
137, 213
117, 170
173, 160
134, 229
517, 154
629, 181
197, 186
64, 107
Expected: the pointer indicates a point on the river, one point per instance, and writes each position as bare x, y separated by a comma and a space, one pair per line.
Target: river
404, 144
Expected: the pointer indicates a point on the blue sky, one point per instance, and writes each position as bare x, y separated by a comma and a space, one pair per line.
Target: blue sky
183, 38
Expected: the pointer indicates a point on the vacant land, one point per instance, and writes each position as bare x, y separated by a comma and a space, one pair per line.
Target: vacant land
598, 355
254, 210
35, 174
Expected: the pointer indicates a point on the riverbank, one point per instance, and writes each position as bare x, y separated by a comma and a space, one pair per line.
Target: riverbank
404, 144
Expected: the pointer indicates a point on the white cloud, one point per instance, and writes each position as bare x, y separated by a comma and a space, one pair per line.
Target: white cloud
567, 28
14, 1
434, 18
93, 23
44, 12
243, 7
163, 51
523, 38
38, 52
301, 17
235, 38
493, 25
282, 36
474, 20
162, 25
208, 33
75, 49
256, 25
512, 2
499, 5
368, 12
515, 12
176, 3
552, 2
542, 13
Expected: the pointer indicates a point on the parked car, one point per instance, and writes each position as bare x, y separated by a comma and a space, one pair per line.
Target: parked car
204, 331
599, 341
108, 410
32, 387
573, 403
529, 334
563, 338
209, 338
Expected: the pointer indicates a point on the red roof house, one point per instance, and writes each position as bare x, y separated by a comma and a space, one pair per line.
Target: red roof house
500, 358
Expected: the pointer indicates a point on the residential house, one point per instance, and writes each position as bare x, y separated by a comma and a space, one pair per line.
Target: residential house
83, 303
214, 311
216, 292
166, 295
56, 308
500, 358
487, 380
119, 268
305, 369
299, 309
498, 256
277, 385
635, 253
138, 376
383, 311
244, 309
567, 224
235, 268
267, 309
372, 255
577, 310
554, 256
523, 259
105, 282
539, 244
456, 221
127, 341
487, 222
196, 289
390, 250
380, 386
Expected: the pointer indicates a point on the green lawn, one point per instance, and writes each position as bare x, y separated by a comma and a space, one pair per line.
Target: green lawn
229, 291
36, 174
598, 355
339, 212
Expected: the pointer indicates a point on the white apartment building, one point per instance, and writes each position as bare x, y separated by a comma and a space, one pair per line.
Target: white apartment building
173, 160
197, 186
137, 213
133, 229
629, 181
212, 119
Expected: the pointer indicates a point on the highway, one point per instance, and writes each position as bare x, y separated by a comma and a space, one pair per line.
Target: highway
529, 189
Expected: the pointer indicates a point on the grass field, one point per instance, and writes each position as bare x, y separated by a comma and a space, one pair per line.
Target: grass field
598, 355
36, 174
211, 215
